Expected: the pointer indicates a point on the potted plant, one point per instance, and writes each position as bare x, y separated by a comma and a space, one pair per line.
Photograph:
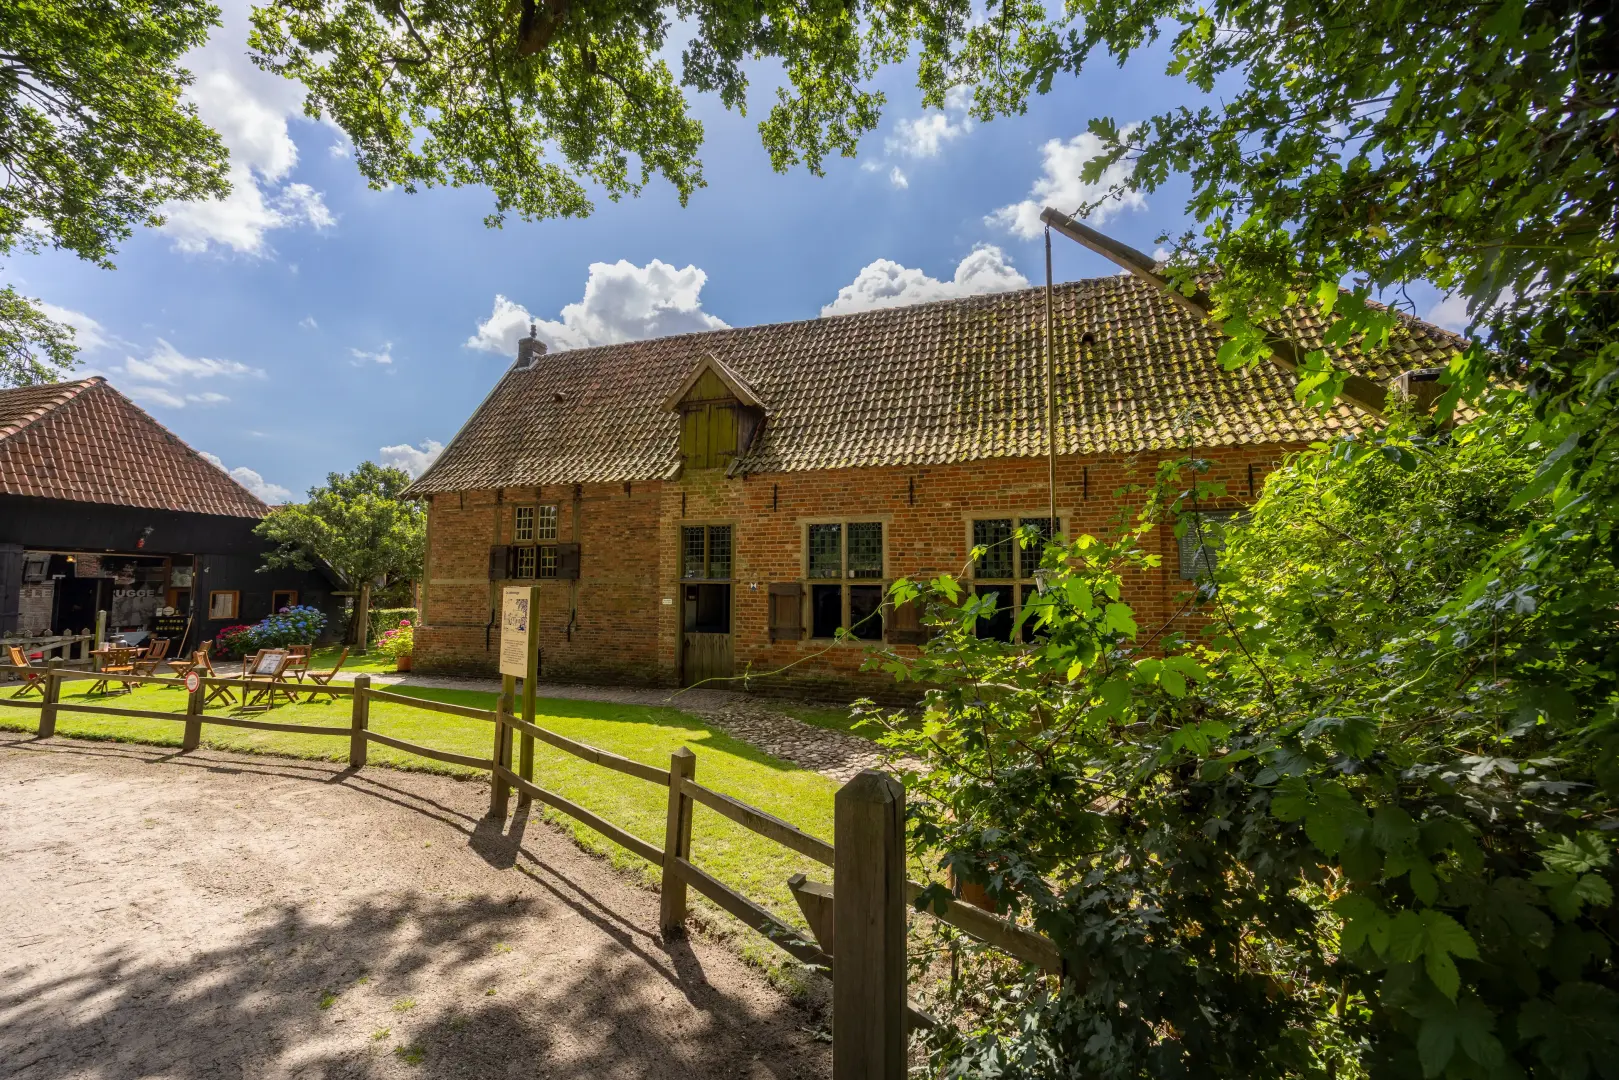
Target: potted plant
399, 643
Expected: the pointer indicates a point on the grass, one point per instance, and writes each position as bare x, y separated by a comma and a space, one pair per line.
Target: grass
373, 663
747, 862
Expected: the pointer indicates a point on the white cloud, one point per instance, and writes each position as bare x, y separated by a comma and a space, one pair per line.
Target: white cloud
88, 334
168, 365
250, 109
174, 399
1059, 186
886, 283
897, 178
1450, 312
308, 323
413, 459
383, 355
926, 136
251, 480
622, 302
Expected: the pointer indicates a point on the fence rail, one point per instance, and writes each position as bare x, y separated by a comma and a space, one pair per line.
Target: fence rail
858, 927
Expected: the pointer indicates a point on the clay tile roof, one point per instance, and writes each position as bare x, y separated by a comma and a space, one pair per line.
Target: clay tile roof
958, 380
86, 442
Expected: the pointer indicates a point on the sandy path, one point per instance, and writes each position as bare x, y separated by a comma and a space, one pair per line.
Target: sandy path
169, 916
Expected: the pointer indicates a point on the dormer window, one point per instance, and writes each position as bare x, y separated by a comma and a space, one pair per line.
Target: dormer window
719, 414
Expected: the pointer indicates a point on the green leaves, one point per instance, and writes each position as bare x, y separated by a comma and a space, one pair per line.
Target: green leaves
1434, 938
1450, 1027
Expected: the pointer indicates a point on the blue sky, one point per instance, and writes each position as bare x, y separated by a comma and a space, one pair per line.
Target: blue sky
308, 323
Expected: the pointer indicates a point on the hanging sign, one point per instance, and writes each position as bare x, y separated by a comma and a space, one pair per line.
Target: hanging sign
514, 620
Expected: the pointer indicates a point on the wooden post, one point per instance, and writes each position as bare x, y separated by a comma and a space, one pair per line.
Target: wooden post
101, 628
500, 791
525, 767
359, 721
53, 694
868, 991
193, 733
676, 843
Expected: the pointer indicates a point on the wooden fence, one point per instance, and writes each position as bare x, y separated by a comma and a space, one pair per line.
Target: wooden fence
74, 649
858, 929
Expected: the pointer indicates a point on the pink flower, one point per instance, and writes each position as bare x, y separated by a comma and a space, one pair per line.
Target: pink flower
404, 622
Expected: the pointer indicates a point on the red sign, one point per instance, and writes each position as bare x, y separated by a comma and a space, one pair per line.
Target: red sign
193, 681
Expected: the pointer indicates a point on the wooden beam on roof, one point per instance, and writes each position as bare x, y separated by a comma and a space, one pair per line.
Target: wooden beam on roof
738, 386
1361, 392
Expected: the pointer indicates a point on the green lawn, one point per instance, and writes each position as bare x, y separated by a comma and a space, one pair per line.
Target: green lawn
373, 662
741, 859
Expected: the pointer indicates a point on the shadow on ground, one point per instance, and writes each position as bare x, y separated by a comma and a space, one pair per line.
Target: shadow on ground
399, 982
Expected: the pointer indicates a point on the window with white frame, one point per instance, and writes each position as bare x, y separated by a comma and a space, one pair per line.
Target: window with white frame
1007, 570
844, 568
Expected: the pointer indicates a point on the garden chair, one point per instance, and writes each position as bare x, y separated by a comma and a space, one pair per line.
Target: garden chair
324, 678
205, 667
148, 664
262, 677
33, 679
182, 666
298, 661
115, 662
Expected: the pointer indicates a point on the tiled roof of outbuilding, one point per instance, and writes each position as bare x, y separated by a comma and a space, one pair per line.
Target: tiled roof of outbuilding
86, 442
958, 380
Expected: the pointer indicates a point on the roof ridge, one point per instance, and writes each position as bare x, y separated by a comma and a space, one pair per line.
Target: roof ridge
67, 392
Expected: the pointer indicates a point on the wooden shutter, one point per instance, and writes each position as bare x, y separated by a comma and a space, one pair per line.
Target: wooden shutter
786, 611
568, 562
500, 562
903, 626
721, 435
694, 436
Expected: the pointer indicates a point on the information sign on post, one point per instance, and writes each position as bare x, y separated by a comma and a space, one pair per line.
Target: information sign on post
514, 619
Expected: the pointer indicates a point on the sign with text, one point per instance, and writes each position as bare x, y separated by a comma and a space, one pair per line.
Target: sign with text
514, 620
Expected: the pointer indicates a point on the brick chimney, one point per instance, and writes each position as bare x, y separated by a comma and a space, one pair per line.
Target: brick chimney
530, 349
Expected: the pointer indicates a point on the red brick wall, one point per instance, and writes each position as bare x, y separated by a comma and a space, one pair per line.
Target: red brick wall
622, 631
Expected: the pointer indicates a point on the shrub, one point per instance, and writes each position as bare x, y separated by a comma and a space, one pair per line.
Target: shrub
384, 619
1361, 828
289, 626
234, 642
400, 641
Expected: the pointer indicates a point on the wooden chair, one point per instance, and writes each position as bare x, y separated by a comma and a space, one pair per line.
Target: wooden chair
262, 677
115, 662
182, 666
33, 678
324, 678
148, 664
205, 667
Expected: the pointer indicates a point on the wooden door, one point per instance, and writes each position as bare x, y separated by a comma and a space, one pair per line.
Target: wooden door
705, 644
705, 656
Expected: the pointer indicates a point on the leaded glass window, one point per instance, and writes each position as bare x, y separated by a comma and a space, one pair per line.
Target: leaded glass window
692, 550
995, 536
826, 551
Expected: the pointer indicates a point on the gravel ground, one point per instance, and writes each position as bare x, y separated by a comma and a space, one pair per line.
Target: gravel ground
222, 915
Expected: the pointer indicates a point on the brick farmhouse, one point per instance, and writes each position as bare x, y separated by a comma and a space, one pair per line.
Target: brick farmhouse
720, 503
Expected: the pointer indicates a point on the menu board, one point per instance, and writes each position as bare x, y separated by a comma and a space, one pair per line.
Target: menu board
270, 663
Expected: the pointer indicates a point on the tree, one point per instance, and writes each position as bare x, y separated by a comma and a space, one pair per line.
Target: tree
94, 139
358, 525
